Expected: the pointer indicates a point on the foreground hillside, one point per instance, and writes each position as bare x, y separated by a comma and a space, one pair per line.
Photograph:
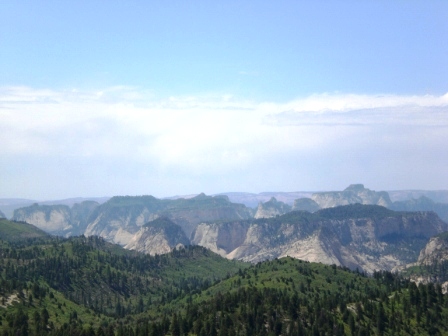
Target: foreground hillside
291, 297
52, 282
13, 231
86, 286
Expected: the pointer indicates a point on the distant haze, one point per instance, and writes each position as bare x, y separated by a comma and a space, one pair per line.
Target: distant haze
181, 98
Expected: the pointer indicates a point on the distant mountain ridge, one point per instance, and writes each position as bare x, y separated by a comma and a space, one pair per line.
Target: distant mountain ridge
119, 219
57, 219
8, 205
318, 230
367, 237
271, 208
355, 193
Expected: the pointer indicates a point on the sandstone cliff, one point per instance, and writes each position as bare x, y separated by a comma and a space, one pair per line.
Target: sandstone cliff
158, 237
305, 204
271, 208
119, 219
422, 203
435, 251
355, 193
57, 219
432, 263
367, 237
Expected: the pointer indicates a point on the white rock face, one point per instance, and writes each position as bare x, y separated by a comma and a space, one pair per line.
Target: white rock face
55, 221
435, 251
271, 208
158, 237
129, 214
207, 236
311, 249
362, 243
152, 244
355, 193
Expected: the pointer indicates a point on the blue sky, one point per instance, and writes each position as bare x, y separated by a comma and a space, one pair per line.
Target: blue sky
112, 97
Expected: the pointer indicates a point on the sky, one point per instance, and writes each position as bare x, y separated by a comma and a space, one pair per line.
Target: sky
163, 98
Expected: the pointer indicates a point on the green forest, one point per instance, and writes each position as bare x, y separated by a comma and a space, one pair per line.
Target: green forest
86, 286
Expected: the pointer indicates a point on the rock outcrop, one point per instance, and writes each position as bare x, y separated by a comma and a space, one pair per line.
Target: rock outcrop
432, 263
305, 204
120, 218
435, 251
271, 208
158, 237
422, 203
367, 237
57, 219
355, 193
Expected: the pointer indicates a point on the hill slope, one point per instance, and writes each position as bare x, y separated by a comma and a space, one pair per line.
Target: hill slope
86, 286
14, 231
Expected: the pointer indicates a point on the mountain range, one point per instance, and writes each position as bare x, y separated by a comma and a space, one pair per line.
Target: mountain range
357, 227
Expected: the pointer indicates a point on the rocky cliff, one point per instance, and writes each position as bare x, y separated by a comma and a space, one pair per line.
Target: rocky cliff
422, 203
158, 237
355, 193
432, 263
271, 208
119, 219
367, 237
305, 204
57, 219
2, 215
435, 251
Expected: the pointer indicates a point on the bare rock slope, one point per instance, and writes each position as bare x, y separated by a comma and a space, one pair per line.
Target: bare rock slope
120, 218
367, 237
355, 193
57, 219
271, 208
158, 237
432, 263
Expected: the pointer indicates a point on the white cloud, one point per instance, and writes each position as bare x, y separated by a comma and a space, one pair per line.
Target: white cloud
218, 135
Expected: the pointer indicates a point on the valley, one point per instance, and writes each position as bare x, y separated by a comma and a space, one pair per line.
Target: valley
341, 263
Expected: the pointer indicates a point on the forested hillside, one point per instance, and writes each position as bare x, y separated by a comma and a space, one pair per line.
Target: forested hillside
86, 286
95, 281
14, 231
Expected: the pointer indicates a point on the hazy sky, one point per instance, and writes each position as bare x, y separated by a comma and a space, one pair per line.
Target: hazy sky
102, 98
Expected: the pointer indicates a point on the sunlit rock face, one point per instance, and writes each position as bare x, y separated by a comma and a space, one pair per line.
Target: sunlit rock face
119, 219
158, 237
366, 237
431, 264
436, 251
355, 193
57, 219
271, 208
